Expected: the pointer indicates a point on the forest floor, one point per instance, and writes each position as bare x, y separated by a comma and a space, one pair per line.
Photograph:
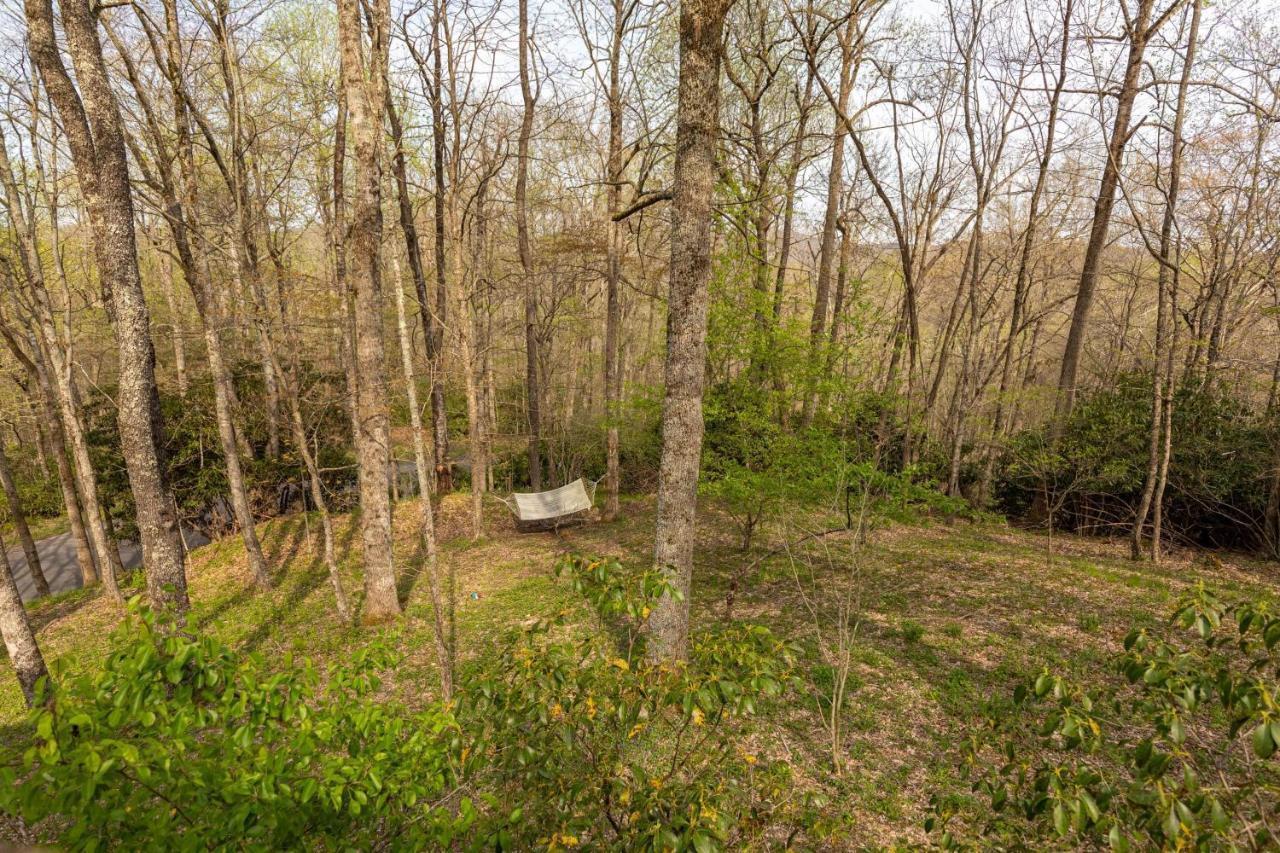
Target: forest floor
952, 614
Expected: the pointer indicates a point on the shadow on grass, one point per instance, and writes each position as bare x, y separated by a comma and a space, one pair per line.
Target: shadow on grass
282, 554
304, 583
57, 606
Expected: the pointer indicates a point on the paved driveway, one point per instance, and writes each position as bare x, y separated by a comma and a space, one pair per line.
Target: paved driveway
58, 559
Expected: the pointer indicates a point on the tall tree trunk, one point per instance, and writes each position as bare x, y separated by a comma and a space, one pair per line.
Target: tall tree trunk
365, 83
830, 218
1140, 32
533, 386
67, 481
697, 127
999, 427
1162, 379
613, 273
19, 639
434, 321
19, 518
293, 397
95, 136
427, 526
191, 255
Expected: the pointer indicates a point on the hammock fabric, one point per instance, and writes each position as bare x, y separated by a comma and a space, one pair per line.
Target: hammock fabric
568, 504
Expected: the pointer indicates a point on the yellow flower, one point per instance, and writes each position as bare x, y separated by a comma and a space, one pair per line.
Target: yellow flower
698, 716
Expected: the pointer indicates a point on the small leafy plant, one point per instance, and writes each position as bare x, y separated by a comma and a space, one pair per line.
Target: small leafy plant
180, 743
1180, 755
604, 749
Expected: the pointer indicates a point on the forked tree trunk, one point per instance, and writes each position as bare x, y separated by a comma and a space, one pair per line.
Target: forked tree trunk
1167, 259
19, 639
364, 79
95, 136
697, 127
191, 255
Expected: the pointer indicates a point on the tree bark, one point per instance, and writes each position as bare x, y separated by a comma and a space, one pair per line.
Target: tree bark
697, 127
19, 639
365, 83
95, 136
532, 384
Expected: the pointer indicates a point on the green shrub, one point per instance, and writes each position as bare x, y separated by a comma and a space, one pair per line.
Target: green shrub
601, 748
1223, 455
1181, 754
179, 743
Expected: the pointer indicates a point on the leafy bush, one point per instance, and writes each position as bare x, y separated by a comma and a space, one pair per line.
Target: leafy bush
602, 748
1219, 471
1182, 755
179, 743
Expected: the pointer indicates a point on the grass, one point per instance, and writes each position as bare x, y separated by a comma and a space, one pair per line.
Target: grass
950, 616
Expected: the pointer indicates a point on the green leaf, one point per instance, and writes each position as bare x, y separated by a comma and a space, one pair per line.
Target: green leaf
1263, 744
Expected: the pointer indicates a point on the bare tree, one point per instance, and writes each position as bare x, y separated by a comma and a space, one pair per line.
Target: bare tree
1140, 27
1168, 258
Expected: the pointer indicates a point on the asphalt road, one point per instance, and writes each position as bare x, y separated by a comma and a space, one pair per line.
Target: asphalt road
58, 559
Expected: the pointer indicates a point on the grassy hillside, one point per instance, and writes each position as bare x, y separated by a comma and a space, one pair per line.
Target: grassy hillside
951, 615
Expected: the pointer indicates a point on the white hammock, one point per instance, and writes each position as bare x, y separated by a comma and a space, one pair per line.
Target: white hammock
546, 508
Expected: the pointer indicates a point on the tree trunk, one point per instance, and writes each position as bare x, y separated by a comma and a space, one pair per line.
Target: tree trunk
827, 247
434, 322
613, 284
20, 524
67, 481
191, 255
19, 639
175, 326
427, 527
95, 136
697, 126
1167, 259
365, 82
46, 354
1140, 33
526, 258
